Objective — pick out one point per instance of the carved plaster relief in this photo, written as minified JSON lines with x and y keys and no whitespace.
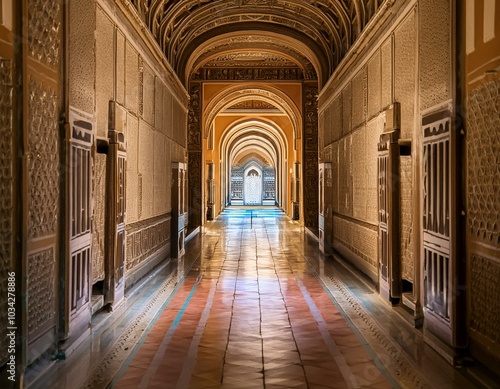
{"x":43,"y":30}
{"x":160,"y":164}
{"x":43,"y":163}
{"x":359,"y":96}
{"x":347,"y":109}
{"x":434,"y":52}
{"x":146,"y":168}
{"x":82,"y":58}
{"x":483,"y":148}
{"x":406,"y":217}
{"x":337,"y":118}
{"x":360,"y":240}
{"x":239,"y":74}
{"x":195,"y":167}
{"x":404,"y":73}
{"x":133,"y":187}
{"x":41,"y":276}
{"x":104,"y":72}
{"x":132,"y":71}
{"x":145,"y":238}
{"x":148,"y":85}
{"x":485,"y":293}
{"x":359,"y":177}
{"x":387,"y":97}
{"x":332,"y":25}
{"x":374,"y":85}
{"x":311,"y":118}
{"x":483,"y":213}
{"x":194,"y":118}
{"x":158,"y":106}
{"x":250,"y":59}
{"x":252,"y":104}
{"x":260,"y":43}
{"x":310,"y":181}
{"x":99,"y":203}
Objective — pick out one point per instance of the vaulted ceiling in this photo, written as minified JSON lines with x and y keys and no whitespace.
{"x":312,"y":34}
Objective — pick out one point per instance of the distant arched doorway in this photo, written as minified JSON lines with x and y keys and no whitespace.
{"x":252,"y":186}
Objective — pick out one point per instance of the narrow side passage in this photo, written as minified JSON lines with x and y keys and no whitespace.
{"x":254,"y":316}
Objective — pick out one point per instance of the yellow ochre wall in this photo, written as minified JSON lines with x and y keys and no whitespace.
{"x":223,"y":122}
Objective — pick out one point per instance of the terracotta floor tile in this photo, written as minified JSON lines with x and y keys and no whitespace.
{"x":131,"y":378}
{"x":259,"y":329}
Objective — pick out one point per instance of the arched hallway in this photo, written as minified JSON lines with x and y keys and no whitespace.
{"x":260,"y":307}
{"x":130,"y":128}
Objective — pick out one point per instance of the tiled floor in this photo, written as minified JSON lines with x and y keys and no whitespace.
{"x":253,"y":317}
{"x":259,"y":307}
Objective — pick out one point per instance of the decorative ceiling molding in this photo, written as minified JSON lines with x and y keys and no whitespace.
{"x":250,"y":41}
{"x":296,"y":51}
{"x":327,"y":27}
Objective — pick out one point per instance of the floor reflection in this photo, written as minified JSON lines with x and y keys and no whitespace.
{"x":252,"y":304}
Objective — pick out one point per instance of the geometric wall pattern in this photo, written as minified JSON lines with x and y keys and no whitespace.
{"x":406,"y":218}
{"x":484,"y":163}
{"x":485,"y":294}
{"x":483,"y":154}
{"x":43,"y":30}
{"x":145,"y":238}
{"x":98,"y":195}
{"x":41,"y":277}
{"x":43,"y":163}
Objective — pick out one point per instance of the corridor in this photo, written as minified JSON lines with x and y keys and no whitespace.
{"x":259,"y":307}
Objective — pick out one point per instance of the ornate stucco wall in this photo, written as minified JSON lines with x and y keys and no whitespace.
{"x":352,"y":106}
{"x":128,"y":72}
{"x":481,"y":101}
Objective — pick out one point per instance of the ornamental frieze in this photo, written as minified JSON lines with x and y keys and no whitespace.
{"x":239,"y":74}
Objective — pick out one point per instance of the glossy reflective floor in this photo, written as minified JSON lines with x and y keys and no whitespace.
{"x":253,"y":304}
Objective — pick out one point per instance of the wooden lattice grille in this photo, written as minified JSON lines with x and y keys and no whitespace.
{"x":436,"y":217}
